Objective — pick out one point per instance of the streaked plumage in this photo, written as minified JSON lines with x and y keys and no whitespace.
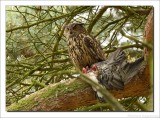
{"x":83,"y":49}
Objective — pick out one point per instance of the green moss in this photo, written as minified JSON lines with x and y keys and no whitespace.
{"x":50,"y":91}
{"x":23,"y":104}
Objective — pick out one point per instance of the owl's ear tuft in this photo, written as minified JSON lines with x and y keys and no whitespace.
{"x":74,"y":25}
{"x":81,"y":24}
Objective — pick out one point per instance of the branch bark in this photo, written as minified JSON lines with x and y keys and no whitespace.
{"x":75,"y":93}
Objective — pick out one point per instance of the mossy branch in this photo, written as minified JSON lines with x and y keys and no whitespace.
{"x":71,"y":94}
{"x":106,"y":94}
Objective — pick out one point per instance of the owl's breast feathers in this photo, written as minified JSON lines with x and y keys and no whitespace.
{"x":85,"y":51}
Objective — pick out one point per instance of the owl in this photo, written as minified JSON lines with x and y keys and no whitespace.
{"x":83,"y":49}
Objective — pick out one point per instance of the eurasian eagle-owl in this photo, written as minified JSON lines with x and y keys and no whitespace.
{"x":83,"y":49}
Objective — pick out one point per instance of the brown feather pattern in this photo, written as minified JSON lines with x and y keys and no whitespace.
{"x":83,"y":49}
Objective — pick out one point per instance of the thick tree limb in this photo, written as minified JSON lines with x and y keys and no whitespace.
{"x":63,"y":96}
{"x":74,"y":93}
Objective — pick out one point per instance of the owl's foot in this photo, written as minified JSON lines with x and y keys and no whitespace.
{"x":94,"y":68}
{"x":87,"y":69}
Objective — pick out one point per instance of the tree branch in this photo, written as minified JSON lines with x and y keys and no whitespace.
{"x":74,"y":93}
{"x":125,"y":47}
{"x":110,"y":23}
{"x":136,"y":40}
{"x":97,"y":17}
{"x":50,"y":19}
{"x":140,"y":11}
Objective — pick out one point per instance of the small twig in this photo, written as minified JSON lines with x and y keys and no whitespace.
{"x":95,"y":107}
{"x":35,"y":82}
{"x":135,"y":39}
{"x":97,"y":17}
{"x":139,"y":11}
{"x":25,"y":75}
{"x":50,"y":19}
{"x":125,"y":47}
{"x":110,"y":23}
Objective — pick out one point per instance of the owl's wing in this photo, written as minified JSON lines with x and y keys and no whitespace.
{"x":94,"y":48}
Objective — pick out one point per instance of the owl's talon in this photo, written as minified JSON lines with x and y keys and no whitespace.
{"x":84,"y":70}
{"x":94,"y":68}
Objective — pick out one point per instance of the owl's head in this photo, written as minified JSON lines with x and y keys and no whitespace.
{"x":74,"y":29}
